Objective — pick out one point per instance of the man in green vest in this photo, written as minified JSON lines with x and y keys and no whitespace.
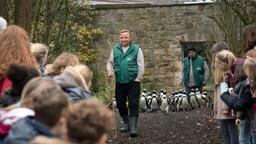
{"x":194,"y":71}
{"x":126,"y":62}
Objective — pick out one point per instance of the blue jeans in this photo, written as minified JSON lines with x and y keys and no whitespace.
{"x":229,"y":131}
{"x":245,"y":131}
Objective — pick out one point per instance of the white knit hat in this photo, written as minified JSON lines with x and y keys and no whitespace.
{"x":3,"y":23}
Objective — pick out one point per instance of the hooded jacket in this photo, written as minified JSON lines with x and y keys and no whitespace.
{"x":71,"y":86}
{"x":25,"y":130}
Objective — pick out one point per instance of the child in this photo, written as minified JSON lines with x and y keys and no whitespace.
{"x":40,"y":51}
{"x":88,"y":122}
{"x":19,"y":74}
{"x":61,"y":62}
{"x":76,"y":81}
{"x":224,"y":61}
{"x":239,"y":100}
{"x":49,"y":102}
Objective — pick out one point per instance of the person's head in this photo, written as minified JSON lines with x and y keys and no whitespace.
{"x":239,"y":72}
{"x":251,"y":53}
{"x":249,"y":37}
{"x":223,"y":63}
{"x":86,"y":74}
{"x":250,"y":68}
{"x":47,"y":100}
{"x":88,"y":122}
{"x":14,"y":48}
{"x":19,"y":75}
{"x":219,"y":46}
{"x":61,"y":62}
{"x":76,"y":76}
{"x":125,"y":38}
{"x":3,"y":23}
{"x":47,"y":140}
{"x":40,"y":52}
{"x":191,"y":52}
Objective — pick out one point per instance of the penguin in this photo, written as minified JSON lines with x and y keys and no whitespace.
{"x":114,"y":102}
{"x":185,"y":104}
{"x":179,"y":101}
{"x":143,"y":102}
{"x":171,"y":101}
{"x":161,"y":93}
{"x":208,"y":99}
{"x":149,"y":100}
{"x":164,"y":107}
{"x":199,"y":98}
{"x":193,"y":100}
{"x":154,"y":104}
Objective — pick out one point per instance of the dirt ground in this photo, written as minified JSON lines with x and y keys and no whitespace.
{"x":189,"y":127}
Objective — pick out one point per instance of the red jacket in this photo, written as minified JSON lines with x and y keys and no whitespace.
{"x":5,"y":84}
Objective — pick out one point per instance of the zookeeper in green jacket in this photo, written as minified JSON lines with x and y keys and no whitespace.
{"x":126,"y":62}
{"x":194,"y":71}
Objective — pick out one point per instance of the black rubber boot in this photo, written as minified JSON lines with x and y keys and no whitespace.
{"x":126,"y":126}
{"x":133,"y":127}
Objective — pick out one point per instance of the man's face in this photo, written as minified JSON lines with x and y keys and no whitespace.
{"x":125,"y":39}
{"x":191,"y":54}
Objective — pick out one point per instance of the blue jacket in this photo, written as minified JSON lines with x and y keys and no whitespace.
{"x":25,"y":130}
{"x":77,"y":93}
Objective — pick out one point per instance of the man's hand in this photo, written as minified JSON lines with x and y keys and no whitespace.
{"x":110,"y":74}
{"x":203,"y":83}
{"x":180,"y":83}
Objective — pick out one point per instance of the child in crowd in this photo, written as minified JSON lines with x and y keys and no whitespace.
{"x":89,"y":122}
{"x":61,"y":62}
{"x":224,"y":61}
{"x":75,"y":81}
{"x":14,"y":48}
{"x":49,"y":103}
{"x":19,"y":74}
{"x":249,"y":38}
{"x":40,"y":51}
{"x":240,"y":101}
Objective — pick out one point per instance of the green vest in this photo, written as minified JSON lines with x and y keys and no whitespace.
{"x":125,"y":64}
{"x":198,"y":70}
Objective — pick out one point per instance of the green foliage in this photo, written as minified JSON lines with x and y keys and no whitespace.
{"x":232,"y":16}
{"x":103,"y":87}
{"x":65,"y":25}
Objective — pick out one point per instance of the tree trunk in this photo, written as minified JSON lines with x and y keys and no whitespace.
{"x":23,"y":15}
{"x":3,"y":9}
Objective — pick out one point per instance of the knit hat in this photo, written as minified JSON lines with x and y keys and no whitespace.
{"x":3,"y":23}
{"x":20,"y":74}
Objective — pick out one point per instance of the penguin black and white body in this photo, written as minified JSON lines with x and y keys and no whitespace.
{"x":208,"y":99}
{"x":172,"y":101}
{"x":143,"y":102}
{"x":193,"y":100}
{"x":164,"y":107}
{"x":199,"y":98}
{"x":184,"y":102}
{"x":179,"y":101}
{"x":154,"y":102}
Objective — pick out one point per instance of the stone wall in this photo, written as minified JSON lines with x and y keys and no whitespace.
{"x":159,"y":31}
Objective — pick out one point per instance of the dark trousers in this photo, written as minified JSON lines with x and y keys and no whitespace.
{"x":130,"y":91}
{"x":229,"y":131}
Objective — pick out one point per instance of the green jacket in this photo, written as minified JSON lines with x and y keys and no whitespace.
{"x":198,"y":70}
{"x":125,"y":64}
